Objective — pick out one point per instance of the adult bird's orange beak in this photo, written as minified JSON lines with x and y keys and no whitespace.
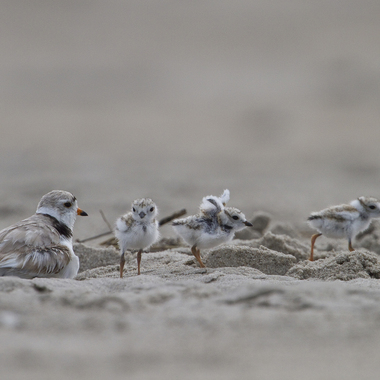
{"x":81,"y":212}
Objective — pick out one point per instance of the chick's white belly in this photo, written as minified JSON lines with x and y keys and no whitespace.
{"x":212,"y":241}
{"x":339,"y":229}
{"x":331,"y":228}
{"x":137,"y":238}
{"x":200,"y":238}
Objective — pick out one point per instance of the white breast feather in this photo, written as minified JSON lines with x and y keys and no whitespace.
{"x":135,"y":237}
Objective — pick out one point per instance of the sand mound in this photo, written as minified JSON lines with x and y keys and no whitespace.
{"x":280,"y":243}
{"x":342,"y":266}
{"x":90,"y":257}
{"x":163,"y":263}
{"x":271,"y":255}
{"x":262,"y":258}
{"x":260,"y":222}
{"x":370,"y":239}
{"x":280,"y":228}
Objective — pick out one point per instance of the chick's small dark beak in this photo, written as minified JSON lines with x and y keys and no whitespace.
{"x":142,"y":214}
{"x":81,"y":212}
{"x":248,"y":224}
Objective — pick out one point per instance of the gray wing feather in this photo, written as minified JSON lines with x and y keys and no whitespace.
{"x":31,"y":248}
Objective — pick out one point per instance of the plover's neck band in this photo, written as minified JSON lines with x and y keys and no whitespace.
{"x":61,"y":228}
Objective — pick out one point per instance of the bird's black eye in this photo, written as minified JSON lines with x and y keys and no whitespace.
{"x":151,"y":209}
{"x":235,"y":217}
{"x":67,"y":204}
{"x":133,"y":209}
{"x":372,"y":207}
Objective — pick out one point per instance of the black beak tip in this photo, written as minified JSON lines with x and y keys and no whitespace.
{"x":83,"y":213}
{"x":248,"y":224}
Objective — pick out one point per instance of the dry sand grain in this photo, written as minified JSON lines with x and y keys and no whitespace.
{"x":176,"y":320}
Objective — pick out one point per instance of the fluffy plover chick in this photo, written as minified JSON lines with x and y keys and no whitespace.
{"x":41,"y":245}
{"x":344,"y":221}
{"x":137,"y":229}
{"x":211,"y":227}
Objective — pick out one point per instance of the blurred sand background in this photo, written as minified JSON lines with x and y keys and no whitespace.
{"x":114,"y":100}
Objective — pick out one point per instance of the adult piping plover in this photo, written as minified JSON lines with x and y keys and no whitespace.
{"x":137,"y":229}
{"x":41,"y":245}
{"x":215,"y":224}
{"x":344,"y":221}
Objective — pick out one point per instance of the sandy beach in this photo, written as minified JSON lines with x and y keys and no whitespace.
{"x":113,"y":101}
